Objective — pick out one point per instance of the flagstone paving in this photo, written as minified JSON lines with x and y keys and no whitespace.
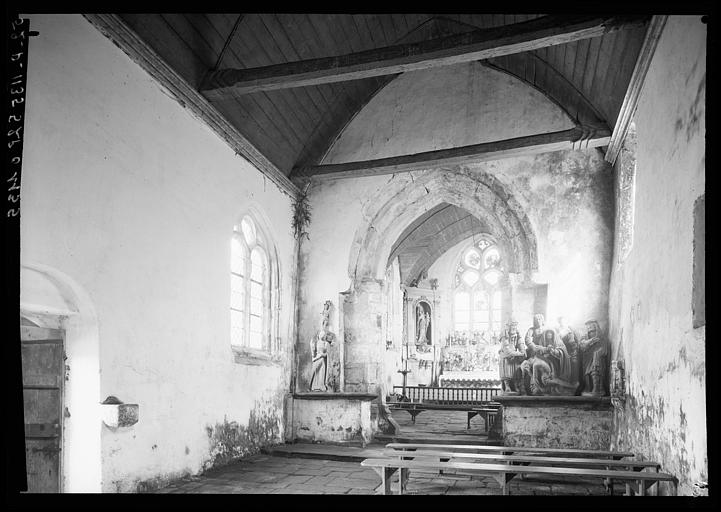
{"x":264,"y":474}
{"x":332,"y":469}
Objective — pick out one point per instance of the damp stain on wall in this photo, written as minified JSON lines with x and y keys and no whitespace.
{"x":231,"y":440}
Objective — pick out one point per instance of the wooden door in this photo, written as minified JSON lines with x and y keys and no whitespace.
{"x":43,"y":363}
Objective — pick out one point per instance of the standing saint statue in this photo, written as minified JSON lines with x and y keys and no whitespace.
{"x":595,"y":350}
{"x":319,"y":345}
{"x":512,"y":354}
{"x":422,"y":321}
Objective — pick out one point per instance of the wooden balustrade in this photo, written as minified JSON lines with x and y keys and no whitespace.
{"x":451,"y":396}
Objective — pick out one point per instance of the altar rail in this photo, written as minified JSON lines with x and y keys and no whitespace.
{"x":450,"y":396}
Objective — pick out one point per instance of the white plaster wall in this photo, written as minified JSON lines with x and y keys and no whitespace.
{"x":127,"y":193}
{"x":651,"y":291}
{"x":446,"y":107}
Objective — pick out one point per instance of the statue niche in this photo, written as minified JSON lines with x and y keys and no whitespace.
{"x":319,"y":346}
{"x":423,"y":334}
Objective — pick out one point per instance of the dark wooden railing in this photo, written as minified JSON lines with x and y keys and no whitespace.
{"x":450,"y":396}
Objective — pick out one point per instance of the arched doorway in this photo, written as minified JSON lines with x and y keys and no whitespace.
{"x":53,"y":302}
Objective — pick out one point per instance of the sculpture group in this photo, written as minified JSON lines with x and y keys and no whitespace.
{"x":554,"y":360}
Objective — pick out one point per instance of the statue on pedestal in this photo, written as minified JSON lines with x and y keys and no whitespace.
{"x":319,"y":346}
{"x":512,"y":354}
{"x":595,"y":350}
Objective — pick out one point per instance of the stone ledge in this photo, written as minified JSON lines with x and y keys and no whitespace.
{"x":321,"y":395}
{"x":255,"y":357}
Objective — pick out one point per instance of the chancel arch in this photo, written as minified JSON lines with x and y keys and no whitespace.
{"x":479,"y":193}
{"x":400,"y":205}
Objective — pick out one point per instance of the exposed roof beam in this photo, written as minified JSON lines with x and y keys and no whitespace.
{"x":575,"y":138}
{"x":475,"y":45}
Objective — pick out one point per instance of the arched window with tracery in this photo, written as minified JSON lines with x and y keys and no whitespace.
{"x":250,"y":287}
{"x":480,"y":282}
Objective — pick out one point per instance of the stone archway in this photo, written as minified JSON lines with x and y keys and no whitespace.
{"x":406,"y":198}
{"x":479,"y":193}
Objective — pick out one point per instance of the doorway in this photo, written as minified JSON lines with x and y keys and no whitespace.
{"x":43,"y":372}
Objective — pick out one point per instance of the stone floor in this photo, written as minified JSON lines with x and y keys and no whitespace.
{"x":266,"y":474}
{"x":331,"y":469}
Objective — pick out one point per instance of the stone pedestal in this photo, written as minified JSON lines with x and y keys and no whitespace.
{"x":557,"y":421}
{"x":332,"y":417}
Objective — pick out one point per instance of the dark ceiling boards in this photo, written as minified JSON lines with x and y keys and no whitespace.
{"x":294,"y":127}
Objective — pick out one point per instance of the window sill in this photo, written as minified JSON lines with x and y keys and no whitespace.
{"x":254,"y":357}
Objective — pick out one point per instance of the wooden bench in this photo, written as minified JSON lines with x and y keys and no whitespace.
{"x":526,"y":459}
{"x":443,"y":456}
{"x":475,"y":401}
{"x":487,"y":411}
{"x":510,"y":450}
{"x":504,"y":473}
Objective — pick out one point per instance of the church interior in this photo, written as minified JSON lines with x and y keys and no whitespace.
{"x":244,"y":234}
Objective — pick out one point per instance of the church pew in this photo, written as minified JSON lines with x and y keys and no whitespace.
{"x":504,"y":473}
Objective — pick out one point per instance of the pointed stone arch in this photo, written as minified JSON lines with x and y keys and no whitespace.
{"x":399,"y":204}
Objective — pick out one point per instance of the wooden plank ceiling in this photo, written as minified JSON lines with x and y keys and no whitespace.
{"x":431,"y":235}
{"x":294,"y":127}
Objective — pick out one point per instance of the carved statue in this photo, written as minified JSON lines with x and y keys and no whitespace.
{"x":549,"y":366}
{"x":535,"y":333}
{"x":512,"y":354}
{"x":423,"y":320}
{"x":594,"y":352}
{"x":570,"y":339}
{"x":319,"y":350}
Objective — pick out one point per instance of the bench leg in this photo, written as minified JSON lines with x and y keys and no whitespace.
{"x":641,"y":488}
{"x":413,"y":415}
{"x":387,"y":474}
{"x":402,"y":479}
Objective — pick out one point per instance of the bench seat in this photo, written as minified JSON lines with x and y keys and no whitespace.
{"x":504,"y":473}
{"x":443,"y":456}
{"x":510,"y":450}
